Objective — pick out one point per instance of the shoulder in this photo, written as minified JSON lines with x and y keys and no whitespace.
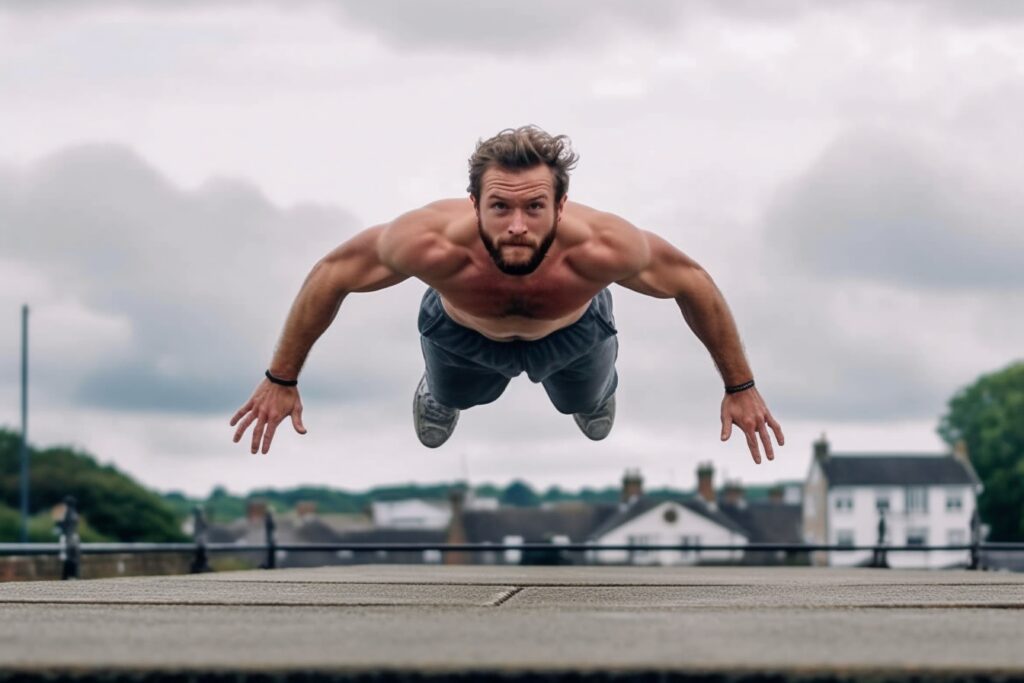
{"x":425,"y":241}
{"x":606,"y":246}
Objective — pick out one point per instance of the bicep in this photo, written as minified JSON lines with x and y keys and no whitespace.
{"x":357,"y":266}
{"x":667,"y":272}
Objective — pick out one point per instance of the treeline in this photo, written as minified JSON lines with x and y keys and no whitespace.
{"x":113,"y":506}
{"x":223,"y":506}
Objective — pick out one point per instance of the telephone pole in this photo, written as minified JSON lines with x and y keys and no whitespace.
{"x":24,"y":423}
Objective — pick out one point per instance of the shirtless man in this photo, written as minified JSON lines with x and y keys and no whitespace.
{"x":517,"y":279}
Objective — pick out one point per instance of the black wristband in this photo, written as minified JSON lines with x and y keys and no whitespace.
{"x":740,"y":387}
{"x":282,"y":382}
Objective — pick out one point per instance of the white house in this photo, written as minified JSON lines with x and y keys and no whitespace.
{"x":925,"y":500}
{"x":412,"y":513}
{"x":643,"y":520}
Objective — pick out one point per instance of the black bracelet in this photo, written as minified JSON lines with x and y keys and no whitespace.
{"x":282,"y":382}
{"x":740,"y":387}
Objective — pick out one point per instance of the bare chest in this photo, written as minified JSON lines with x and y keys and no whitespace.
{"x":548,"y":296}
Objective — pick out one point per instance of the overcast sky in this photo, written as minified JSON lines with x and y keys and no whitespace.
{"x":169,"y":171}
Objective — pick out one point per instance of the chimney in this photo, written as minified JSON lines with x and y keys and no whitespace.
{"x":255,"y":510}
{"x":305,"y":509}
{"x":456,"y":533}
{"x":776,"y":494}
{"x":732,"y":494}
{"x":632,"y":486}
{"x":821,"y":449}
{"x":705,"y":487}
{"x":960,"y":451}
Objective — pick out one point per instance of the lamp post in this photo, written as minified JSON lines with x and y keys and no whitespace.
{"x":24,"y":423}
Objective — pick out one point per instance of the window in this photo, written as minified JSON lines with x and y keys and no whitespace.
{"x":917,"y":499}
{"x":917,"y":536}
{"x":844,"y":537}
{"x":640,"y":539}
{"x":954,"y":501}
{"x":843,"y":501}
{"x":956,"y":537}
{"x":513,"y":556}
{"x":882,"y":503}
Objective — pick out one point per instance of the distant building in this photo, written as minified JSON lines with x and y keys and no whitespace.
{"x":772,"y":520}
{"x":555,"y":525}
{"x":412,"y":513}
{"x":643,"y":520}
{"x":926,"y":499}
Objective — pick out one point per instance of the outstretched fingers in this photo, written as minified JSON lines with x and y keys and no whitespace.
{"x":297,"y":420}
{"x":257,"y":434}
{"x":766,"y":441}
{"x":241,"y":411}
{"x":777,"y":428}
{"x":243,"y":426}
{"x":269,"y":436}
{"x":755,"y":452}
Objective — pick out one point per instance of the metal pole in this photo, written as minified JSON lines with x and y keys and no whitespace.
{"x":24,"y":423}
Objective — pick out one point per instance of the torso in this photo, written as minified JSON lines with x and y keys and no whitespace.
{"x":504,"y":307}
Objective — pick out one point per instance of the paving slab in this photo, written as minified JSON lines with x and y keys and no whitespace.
{"x":530,"y":623}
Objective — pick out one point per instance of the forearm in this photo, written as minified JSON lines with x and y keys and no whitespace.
{"x":706,"y":312}
{"x":311,"y":314}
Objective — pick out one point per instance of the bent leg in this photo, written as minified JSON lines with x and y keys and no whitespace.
{"x":585,"y":384}
{"x":458,"y":382}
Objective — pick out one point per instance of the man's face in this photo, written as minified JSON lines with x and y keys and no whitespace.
{"x":517,"y":216}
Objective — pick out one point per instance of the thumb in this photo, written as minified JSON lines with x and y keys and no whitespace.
{"x":726,"y":428}
{"x":297,"y":420}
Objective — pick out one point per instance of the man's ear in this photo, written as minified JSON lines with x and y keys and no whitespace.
{"x":561,"y":205}
{"x":472,"y":198}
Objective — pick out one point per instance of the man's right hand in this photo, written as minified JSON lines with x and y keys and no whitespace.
{"x":270,"y":404}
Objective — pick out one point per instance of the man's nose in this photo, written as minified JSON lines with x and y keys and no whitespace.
{"x":518,"y":224}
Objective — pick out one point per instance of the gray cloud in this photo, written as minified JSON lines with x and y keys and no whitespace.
{"x":879,"y":206}
{"x":203,"y":276}
{"x":506,"y":27}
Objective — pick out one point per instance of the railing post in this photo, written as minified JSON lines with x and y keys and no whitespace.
{"x":879,"y":559}
{"x":268,"y":525}
{"x":975,"y":541}
{"x":70,"y":547}
{"x":200,"y":562}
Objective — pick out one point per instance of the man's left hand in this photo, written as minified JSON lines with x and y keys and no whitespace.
{"x":748,"y":411}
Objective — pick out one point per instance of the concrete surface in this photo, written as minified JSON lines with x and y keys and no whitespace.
{"x":591,"y":623}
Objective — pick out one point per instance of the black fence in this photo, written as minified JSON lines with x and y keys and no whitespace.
{"x":69,"y":550}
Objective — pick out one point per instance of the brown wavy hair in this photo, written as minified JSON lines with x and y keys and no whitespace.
{"x":522,"y":148}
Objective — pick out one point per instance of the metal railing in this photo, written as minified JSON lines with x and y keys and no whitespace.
{"x":69,"y":549}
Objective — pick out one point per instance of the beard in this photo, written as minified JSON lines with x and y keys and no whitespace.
{"x":518,"y":268}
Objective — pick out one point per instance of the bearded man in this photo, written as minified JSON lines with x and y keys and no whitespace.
{"x":517,"y":282}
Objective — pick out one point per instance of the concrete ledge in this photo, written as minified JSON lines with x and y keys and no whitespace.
{"x":413,"y":623}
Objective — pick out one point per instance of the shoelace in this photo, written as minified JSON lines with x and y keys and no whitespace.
{"x":435,"y":412}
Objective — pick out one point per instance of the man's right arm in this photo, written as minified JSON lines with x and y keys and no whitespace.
{"x":376,"y":258}
{"x":355,"y":266}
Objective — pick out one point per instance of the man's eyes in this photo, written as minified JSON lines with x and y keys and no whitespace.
{"x":533,"y":206}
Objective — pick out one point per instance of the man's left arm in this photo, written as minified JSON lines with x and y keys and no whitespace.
{"x":664,"y":272}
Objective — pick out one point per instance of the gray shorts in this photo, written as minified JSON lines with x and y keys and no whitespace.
{"x":576,"y":364}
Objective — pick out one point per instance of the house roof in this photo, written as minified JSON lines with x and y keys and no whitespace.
{"x":897,"y":470}
{"x":647,"y":503}
{"x":535,"y":525}
{"x":767,"y":522}
{"x":391,"y":535}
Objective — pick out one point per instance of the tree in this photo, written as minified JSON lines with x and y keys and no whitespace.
{"x":519,"y":494}
{"x":989,"y":417}
{"x":115,"y":505}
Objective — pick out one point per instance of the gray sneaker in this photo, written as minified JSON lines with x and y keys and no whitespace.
{"x":434,"y":422}
{"x":598,"y":424}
